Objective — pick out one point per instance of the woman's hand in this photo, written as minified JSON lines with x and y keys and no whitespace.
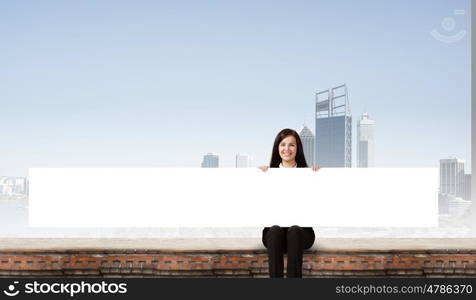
{"x":263,"y":168}
{"x":315,"y":168}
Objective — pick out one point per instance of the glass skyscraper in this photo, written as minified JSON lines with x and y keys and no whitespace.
{"x":210,"y":160}
{"x":452,"y":177}
{"x":243,"y":161}
{"x":365,"y":142}
{"x":308,"y":141}
{"x":333,"y":129}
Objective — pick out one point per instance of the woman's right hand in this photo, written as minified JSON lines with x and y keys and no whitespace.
{"x":263,"y":168}
{"x":316,"y":168}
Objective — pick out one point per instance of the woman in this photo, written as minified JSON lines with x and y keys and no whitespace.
{"x":287,"y":153}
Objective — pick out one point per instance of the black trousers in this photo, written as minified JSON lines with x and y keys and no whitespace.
{"x":293,"y":240}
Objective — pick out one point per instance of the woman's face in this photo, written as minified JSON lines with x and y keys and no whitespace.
{"x":288,"y":149}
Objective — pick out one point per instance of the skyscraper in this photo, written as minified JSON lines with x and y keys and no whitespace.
{"x":243,"y":161}
{"x":365,"y":142}
{"x":333,"y":128}
{"x":467,"y":187}
{"x":308,"y":141}
{"x":452,"y":179}
{"x":210,"y":160}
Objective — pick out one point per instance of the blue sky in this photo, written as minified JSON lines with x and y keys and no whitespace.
{"x":159,"y":84}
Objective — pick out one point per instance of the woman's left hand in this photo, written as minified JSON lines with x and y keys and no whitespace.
{"x":315,"y":168}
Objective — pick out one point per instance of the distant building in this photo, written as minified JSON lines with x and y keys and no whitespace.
{"x":365,"y":142}
{"x":21,"y":186}
{"x":308,"y":141}
{"x":13,"y":186}
{"x":452,"y":179}
{"x":443,"y":204}
{"x":243,"y":161}
{"x":210,"y":160}
{"x":458,"y":207}
{"x":467,"y":187}
{"x":333,"y":129}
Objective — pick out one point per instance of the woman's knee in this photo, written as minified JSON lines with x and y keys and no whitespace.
{"x":294,"y":234}
{"x":275,"y":235}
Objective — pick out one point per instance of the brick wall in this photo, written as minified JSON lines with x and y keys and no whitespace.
{"x":242,"y":263}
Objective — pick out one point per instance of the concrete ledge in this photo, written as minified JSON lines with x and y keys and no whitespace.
{"x":233,"y":258}
{"x":214,"y":244}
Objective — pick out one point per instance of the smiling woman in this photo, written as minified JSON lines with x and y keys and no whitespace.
{"x":287,"y":153}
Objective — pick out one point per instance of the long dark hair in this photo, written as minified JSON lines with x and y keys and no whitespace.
{"x":276,"y":158}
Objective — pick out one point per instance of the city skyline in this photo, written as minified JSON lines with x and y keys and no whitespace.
{"x":153,"y":84}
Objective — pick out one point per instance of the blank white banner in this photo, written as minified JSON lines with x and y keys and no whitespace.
{"x":193,"y":197}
